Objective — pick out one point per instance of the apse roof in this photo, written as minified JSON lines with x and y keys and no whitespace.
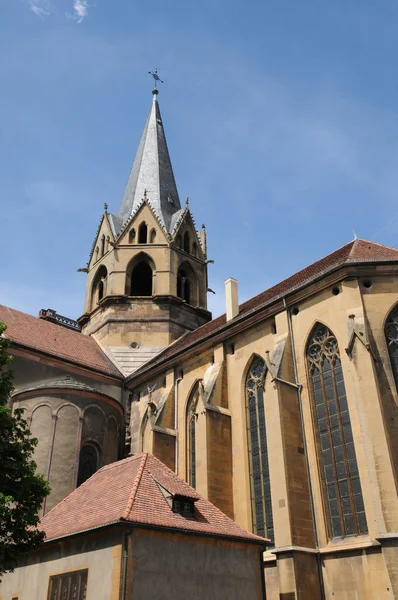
{"x":50,"y":338}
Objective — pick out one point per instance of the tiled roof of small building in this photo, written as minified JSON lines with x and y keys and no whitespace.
{"x":44,"y":336}
{"x":356,"y":252}
{"x":129,"y":490}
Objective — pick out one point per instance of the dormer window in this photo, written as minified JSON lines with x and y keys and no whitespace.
{"x":179,"y":504}
{"x":183,"y":506}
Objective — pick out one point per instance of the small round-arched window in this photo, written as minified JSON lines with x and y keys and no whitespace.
{"x":89,"y":462}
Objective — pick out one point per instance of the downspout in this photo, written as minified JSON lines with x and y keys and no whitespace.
{"x":125,"y":563}
{"x":262,"y":574}
{"x":307,"y":466}
{"x":177,"y":381}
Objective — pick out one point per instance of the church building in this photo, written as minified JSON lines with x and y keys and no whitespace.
{"x":283,"y":412}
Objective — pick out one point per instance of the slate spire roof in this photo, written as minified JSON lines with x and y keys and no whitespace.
{"x":134,"y":490}
{"x":152,"y":171}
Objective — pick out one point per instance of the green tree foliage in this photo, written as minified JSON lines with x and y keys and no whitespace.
{"x":22,"y":490}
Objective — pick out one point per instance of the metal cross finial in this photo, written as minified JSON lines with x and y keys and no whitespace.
{"x":155,"y":76}
{"x":105,"y":206}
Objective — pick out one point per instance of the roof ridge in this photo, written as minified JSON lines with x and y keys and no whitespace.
{"x":119,"y":462}
{"x":39,"y":320}
{"x":135,"y":487}
{"x":375,"y":243}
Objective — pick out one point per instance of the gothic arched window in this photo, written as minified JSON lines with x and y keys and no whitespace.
{"x":152,"y":237}
{"x":263,"y":523}
{"x":131,"y":236}
{"x":186,"y":289}
{"x":102,"y":245}
{"x":341,"y":485}
{"x":391,"y":333}
{"x":143,"y":233}
{"x":88,"y":462}
{"x":187,"y":242}
{"x":99,"y":286}
{"x":141,"y":280}
{"x":191,"y":436}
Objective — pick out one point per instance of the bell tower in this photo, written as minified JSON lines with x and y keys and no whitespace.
{"x":147,"y":271}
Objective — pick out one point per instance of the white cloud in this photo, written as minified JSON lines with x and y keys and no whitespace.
{"x":41,"y":8}
{"x":80,"y":10}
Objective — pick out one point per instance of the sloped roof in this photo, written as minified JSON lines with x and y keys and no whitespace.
{"x":63,"y":383}
{"x":358,"y":251}
{"x":47,"y":337}
{"x":152,"y":171}
{"x":128,"y":491}
{"x":130,"y":359}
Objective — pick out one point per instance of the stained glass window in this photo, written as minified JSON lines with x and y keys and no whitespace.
{"x":335,"y":444}
{"x":263,"y":523}
{"x":68,"y":586}
{"x":391,"y":332}
{"x":191,"y":437}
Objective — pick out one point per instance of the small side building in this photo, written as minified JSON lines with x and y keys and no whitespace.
{"x":134,"y":531}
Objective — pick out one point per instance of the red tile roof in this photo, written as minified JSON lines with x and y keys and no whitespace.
{"x":128,"y":490}
{"x":356,"y":252}
{"x":47,"y":337}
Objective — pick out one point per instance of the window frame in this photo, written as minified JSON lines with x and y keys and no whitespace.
{"x":82,"y":579}
{"x":389,"y":341}
{"x":191,"y":427}
{"x":342,"y":429}
{"x":268,"y":529}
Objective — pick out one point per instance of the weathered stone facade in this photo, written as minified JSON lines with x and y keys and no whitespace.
{"x":305,"y":558}
{"x":179,"y":389}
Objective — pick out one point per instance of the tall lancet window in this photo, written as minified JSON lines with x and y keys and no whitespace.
{"x":191,"y":436}
{"x":337,"y":461}
{"x":391,"y":331}
{"x":263,"y":523}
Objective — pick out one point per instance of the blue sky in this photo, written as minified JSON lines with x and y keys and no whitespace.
{"x":281,"y":118}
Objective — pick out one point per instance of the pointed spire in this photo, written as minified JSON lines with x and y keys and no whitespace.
{"x":152,"y":171}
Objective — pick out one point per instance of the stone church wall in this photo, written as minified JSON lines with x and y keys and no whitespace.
{"x":372,"y":401}
{"x":64,"y":411}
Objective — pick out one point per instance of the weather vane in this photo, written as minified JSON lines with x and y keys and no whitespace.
{"x":156,"y":77}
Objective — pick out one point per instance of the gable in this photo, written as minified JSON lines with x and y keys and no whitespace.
{"x":186,"y":236}
{"x":102,"y":243}
{"x":144,"y":214}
